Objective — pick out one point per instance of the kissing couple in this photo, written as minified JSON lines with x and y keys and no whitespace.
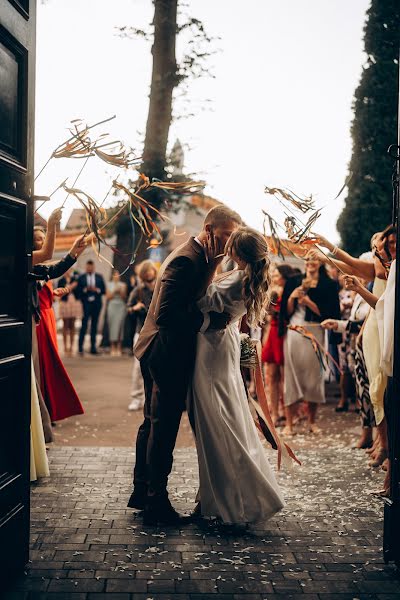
{"x":189,"y":351}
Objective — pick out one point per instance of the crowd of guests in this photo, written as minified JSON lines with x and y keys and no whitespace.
{"x":125,"y":310}
{"x":342,"y":302}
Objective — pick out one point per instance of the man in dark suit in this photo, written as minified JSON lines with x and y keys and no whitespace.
{"x":166,"y":350}
{"x":89,"y":290}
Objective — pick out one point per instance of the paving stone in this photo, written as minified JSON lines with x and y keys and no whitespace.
{"x":76,"y":585}
{"x":163,"y":586}
{"x":124,"y":585}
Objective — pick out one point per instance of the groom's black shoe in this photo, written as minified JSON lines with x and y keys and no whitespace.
{"x":159,"y":510}
{"x":138,"y":497}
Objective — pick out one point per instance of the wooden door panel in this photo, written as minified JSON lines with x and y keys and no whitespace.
{"x":22,"y":6}
{"x":12,"y":453}
{"x":14,"y":450}
{"x":13,"y":305}
{"x":13,"y":99}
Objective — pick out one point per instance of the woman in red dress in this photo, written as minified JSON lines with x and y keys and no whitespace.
{"x":58,"y":392}
{"x":272,"y":352}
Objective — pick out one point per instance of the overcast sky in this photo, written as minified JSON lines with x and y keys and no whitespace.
{"x":281,"y":99}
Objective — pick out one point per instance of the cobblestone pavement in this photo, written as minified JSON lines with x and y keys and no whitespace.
{"x":86,"y":545}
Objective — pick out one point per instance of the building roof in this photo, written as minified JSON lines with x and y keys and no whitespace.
{"x":65,"y":238}
{"x":76,"y":220}
{"x":39,"y":221}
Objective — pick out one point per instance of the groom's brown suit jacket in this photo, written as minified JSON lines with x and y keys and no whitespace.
{"x":168,"y":338}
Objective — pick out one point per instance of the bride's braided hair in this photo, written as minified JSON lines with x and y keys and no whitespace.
{"x":251,"y":247}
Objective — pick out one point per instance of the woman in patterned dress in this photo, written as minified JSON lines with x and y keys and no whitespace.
{"x":70,"y":309}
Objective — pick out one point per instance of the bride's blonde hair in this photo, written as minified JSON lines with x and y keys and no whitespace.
{"x":251,"y":247}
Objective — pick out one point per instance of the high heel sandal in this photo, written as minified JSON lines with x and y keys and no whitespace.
{"x":381,"y":456}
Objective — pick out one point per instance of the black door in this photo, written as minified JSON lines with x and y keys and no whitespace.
{"x":17,"y":76}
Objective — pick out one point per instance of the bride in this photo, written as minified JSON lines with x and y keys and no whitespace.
{"x":237,"y":483}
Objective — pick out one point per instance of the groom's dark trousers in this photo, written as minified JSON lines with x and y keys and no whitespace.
{"x":166,"y":350}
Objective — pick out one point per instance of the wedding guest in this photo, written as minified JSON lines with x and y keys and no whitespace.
{"x":43,"y":248}
{"x":116,"y":293}
{"x":58,"y":392}
{"x":39,"y":464}
{"x":133,"y":281}
{"x":272,"y":351}
{"x":334,"y":339}
{"x":138,"y":304}
{"x":351,"y":361}
{"x":90,"y":289}
{"x":40,"y":426}
{"x":346,"y":378}
{"x":70,"y":309}
{"x":130,"y":319}
{"x":385,"y":252}
{"x":306,"y":301}
{"x":375,"y":271}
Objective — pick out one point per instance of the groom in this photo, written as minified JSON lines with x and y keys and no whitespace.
{"x":166,"y":350}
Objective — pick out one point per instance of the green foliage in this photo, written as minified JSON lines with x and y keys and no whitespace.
{"x":369,"y":200}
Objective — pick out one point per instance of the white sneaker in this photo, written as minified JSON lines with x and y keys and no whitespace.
{"x":135,"y":405}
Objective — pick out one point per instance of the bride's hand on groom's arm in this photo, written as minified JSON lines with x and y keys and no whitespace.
{"x":219,"y":321}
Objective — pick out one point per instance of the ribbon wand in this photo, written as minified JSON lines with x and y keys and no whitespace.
{"x":76,"y":179}
{"x":102,"y":202}
{"x":52,"y":194}
{"x":74,"y":136}
{"x":306,"y":226}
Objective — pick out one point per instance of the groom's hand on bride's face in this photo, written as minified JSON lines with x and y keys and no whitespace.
{"x":219,"y":321}
{"x":213,"y":247}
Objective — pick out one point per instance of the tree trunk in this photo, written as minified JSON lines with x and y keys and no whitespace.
{"x":164,"y":80}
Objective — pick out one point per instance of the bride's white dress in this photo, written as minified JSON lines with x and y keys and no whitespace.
{"x":237,"y":483}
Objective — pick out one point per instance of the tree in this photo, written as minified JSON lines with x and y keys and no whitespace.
{"x":368,"y":203}
{"x":163,"y":81}
{"x":167,"y":75}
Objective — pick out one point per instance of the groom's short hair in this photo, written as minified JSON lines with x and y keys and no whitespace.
{"x":221,"y":215}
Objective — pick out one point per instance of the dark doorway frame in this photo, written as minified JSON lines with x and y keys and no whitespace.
{"x":391,"y":537}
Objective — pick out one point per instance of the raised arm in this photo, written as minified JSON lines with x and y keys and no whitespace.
{"x":46,"y":252}
{"x":347,"y":263}
{"x":59,"y":268}
{"x":352,"y":283}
